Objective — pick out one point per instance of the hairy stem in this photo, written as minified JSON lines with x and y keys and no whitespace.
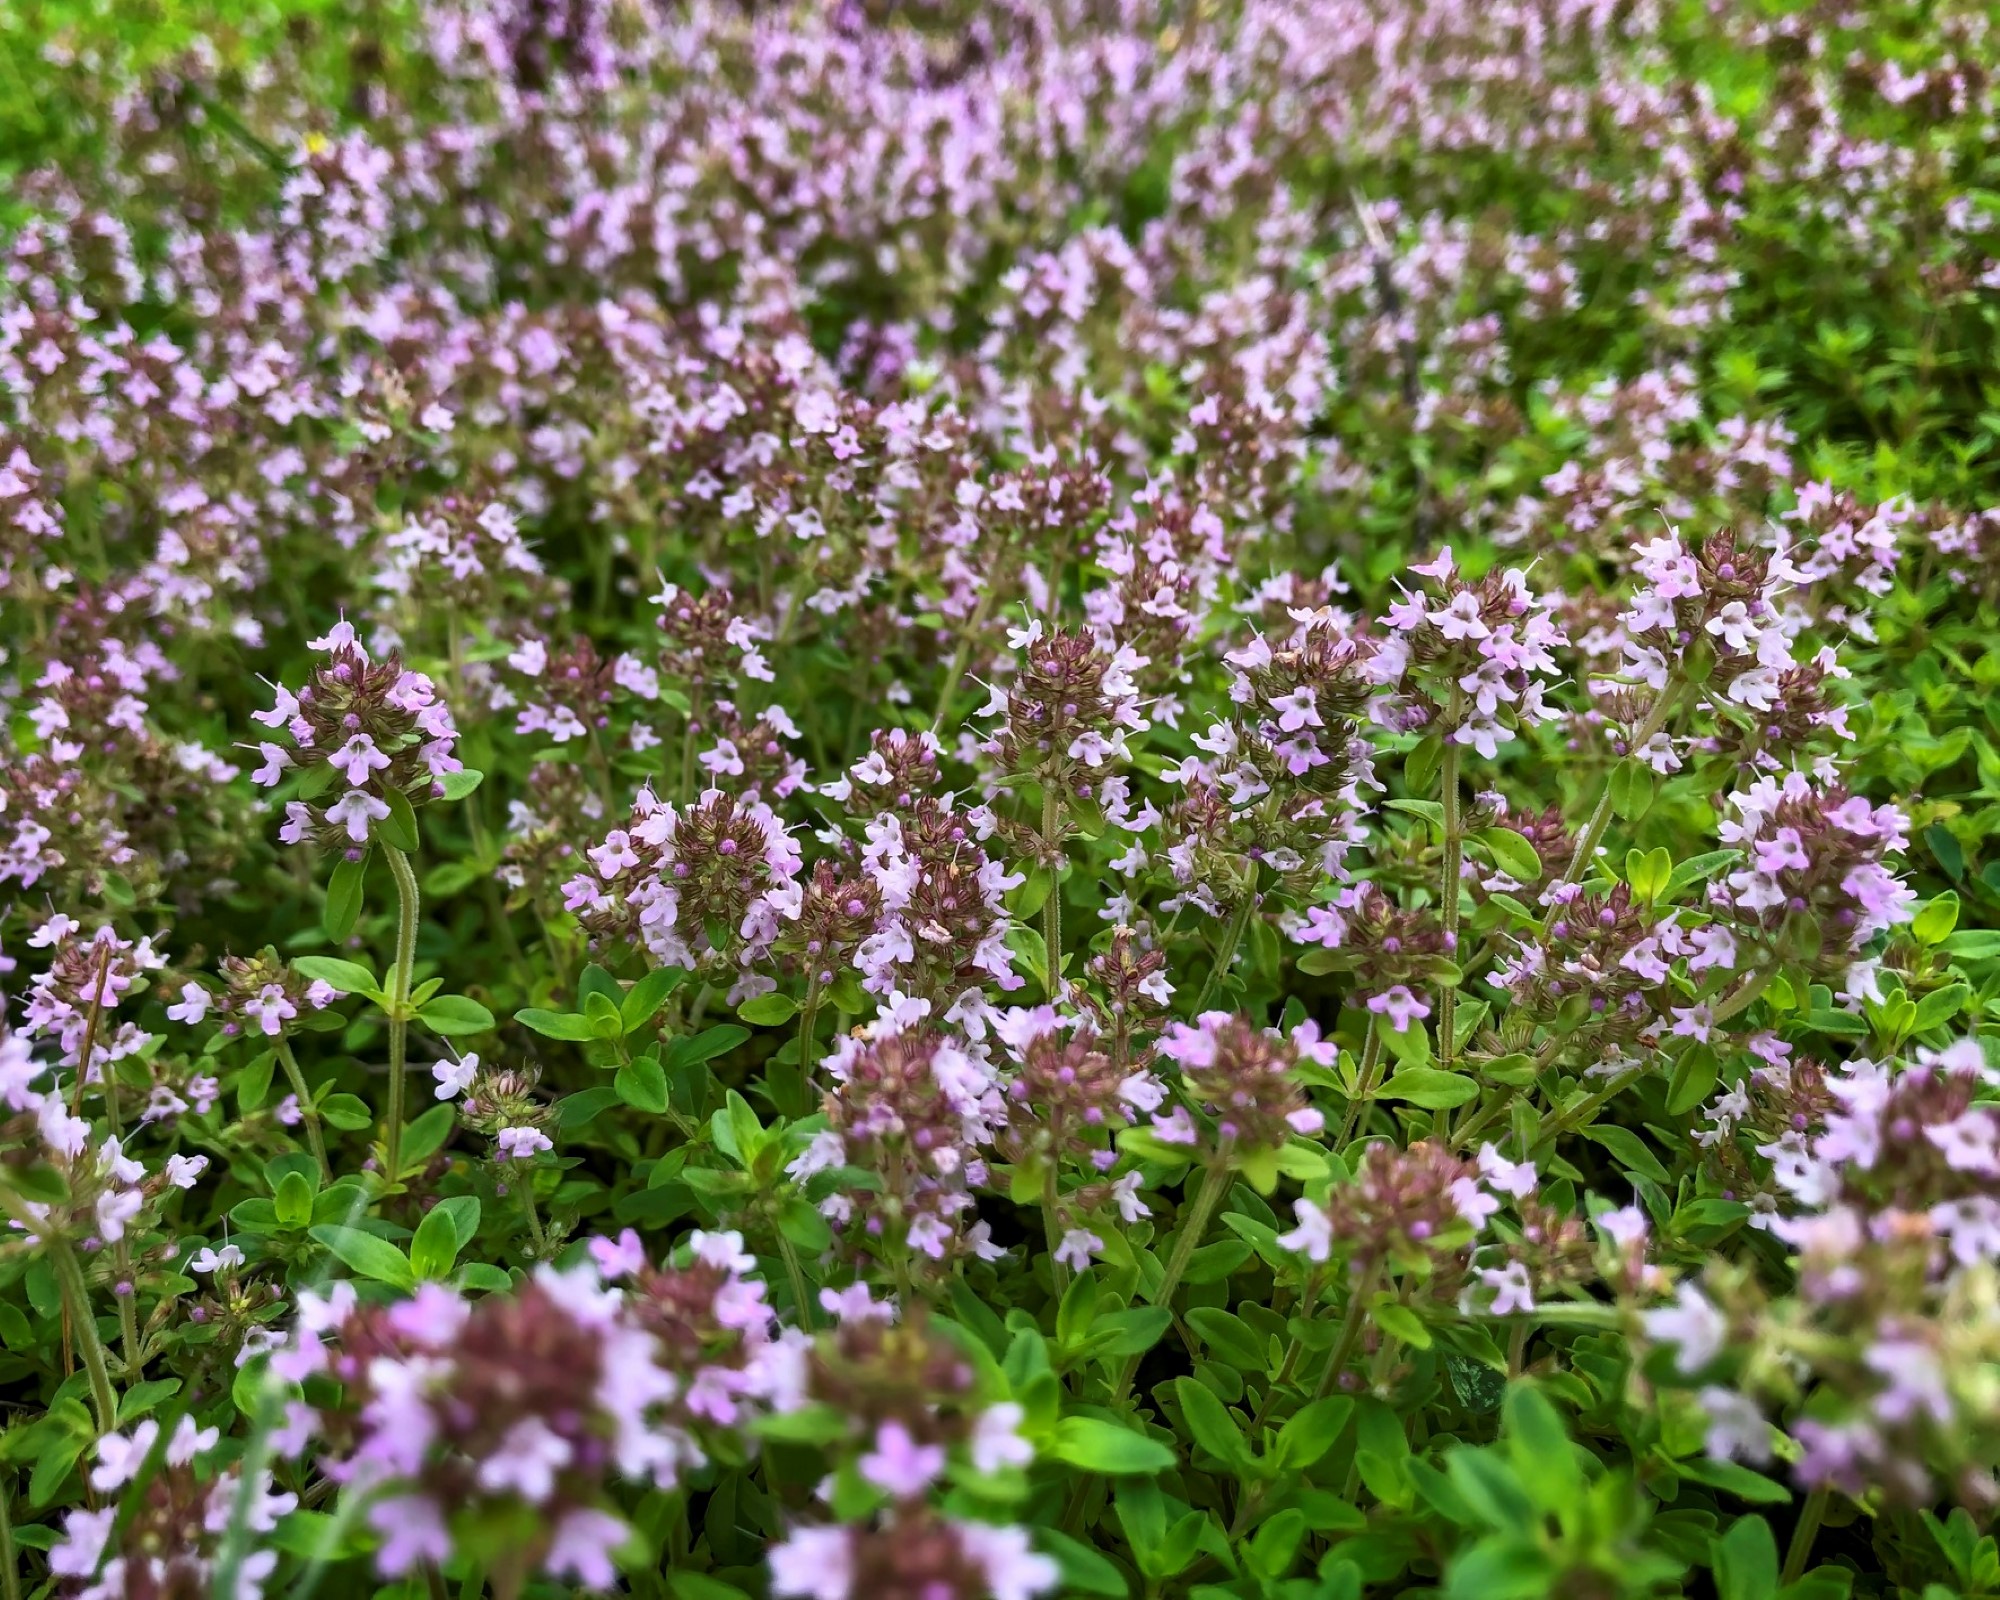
{"x":1052,"y":1228}
{"x":83,"y":1324}
{"x":1214,"y":1182}
{"x":1350,"y":1330}
{"x":1799,"y":1552}
{"x":1600,"y":819}
{"x":1052,"y":821}
{"x":962,"y":657}
{"x":1448,"y":889}
{"x":308,"y":1112}
{"x":399,"y":1007}
{"x":1225,"y":953}
{"x":1364,"y":1085}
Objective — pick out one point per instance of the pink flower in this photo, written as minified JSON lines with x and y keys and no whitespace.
{"x":996,"y":1439}
{"x":620,"y":1257}
{"x":270,"y":1009}
{"x":899,"y":1465}
{"x":455,"y":1077}
{"x":192,"y":1006}
{"x":356,"y":759}
{"x":520,"y":1144}
{"x":1077,"y":1247}
{"x":1399,"y":1006}
{"x":582,"y":1548}
{"x":813,"y":1564}
{"x":355,"y":811}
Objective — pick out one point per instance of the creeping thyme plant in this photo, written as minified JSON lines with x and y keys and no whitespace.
{"x":1075,"y":797}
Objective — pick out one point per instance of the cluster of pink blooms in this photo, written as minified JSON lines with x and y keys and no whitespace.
{"x":173,"y":1541}
{"x":451,"y":1411}
{"x":933,"y":528}
{"x":1883,"y":1179}
{"x":361,"y":730}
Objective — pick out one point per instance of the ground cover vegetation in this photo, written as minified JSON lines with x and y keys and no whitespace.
{"x":916,"y":801}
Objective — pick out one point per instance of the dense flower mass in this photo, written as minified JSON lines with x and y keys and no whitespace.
{"x":970,"y":802}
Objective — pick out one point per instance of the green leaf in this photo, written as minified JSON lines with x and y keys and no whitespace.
{"x":1693,"y":1080}
{"x":643,"y":1000}
{"x":1105,"y":1447}
{"x":1084,"y":1571}
{"x":347,"y":1112}
{"x":1400,"y":1322}
{"x":1746,"y":1561}
{"x":399,"y":827}
{"x":555,"y":1024}
{"x":1649,"y":873}
{"x":1429,"y":811}
{"x":1631,"y":790}
{"x":1209,"y":1421}
{"x":457,"y":785}
{"x":454,"y":1016}
{"x":1945,"y":849}
{"x":463,"y":1209}
{"x":1512,"y":854}
{"x":435,"y":1246}
{"x":343,"y":899}
{"x":1693,"y":870}
{"x":1934,"y":923}
{"x":1975,"y":944}
{"x":1939,"y":1007}
{"x":349,"y":977}
{"x":293,"y":1201}
{"x":1733,"y":1478}
{"x":642,"y":1085}
{"x":369,"y":1256}
{"x":709,"y":1044}
{"x":1627,"y":1149}
{"x":768,"y":1010}
{"x":1429,"y":1087}
{"x":1313,"y":1430}
{"x":1543,"y":1455}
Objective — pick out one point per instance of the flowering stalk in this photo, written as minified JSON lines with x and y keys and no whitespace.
{"x":1454,"y":845}
{"x":399,"y":1007}
{"x":1225,"y":952}
{"x":1350,"y":1329}
{"x":1215,"y":1181}
{"x":308,"y":1111}
{"x":1364,"y":1082}
{"x":1600,"y":819}
{"x":1799,"y":1551}
{"x":1052,"y":822}
{"x":83,"y":1327}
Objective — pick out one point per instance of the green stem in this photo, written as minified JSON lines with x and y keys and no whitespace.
{"x":1454,"y":863}
{"x":1215,"y":1181}
{"x":1052,"y":1228}
{"x":10,"y":1572}
{"x":531,"y":1212}
{"x":83,"y":1324}
{"x":1052,"y":821}
{"x":1746,"y":993}
{"x":796,"y":1273}
{"x":308,"y":1112}
{"x":962,"y":656}
{"x":1350,"y":1330}
{"x":1600,"y":819}
{"x":1225,"y":954}
{"x":1308,"y":1303}
{"x":128,"y":1310}
{"x":1364,"y":1085}
{"x":407,"y":902}
{"x":1799,"y":1552}
{"x":808,"y":1022}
